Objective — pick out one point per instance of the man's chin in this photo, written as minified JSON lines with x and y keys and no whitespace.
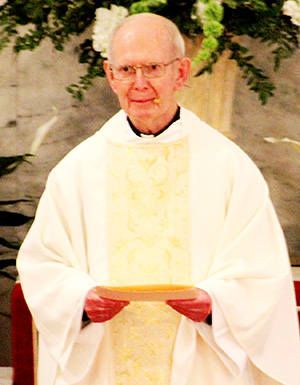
{"x":142,"y":110}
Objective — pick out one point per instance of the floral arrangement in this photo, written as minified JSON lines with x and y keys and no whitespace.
{"x":106,"y":21}
{"x":275,"y":23}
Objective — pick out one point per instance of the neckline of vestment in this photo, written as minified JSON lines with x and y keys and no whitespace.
{"x":119,"y":132}
{"x":147,"y":136}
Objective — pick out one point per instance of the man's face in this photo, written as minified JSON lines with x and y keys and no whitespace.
{"x":149,"y":102}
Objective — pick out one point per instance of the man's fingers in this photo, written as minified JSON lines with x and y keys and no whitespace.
{"x":101,"y":309}
{"x":196,"y":309}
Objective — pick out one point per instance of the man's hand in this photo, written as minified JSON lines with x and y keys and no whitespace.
{"x":197,"y":309}
{"x":101,"y":309}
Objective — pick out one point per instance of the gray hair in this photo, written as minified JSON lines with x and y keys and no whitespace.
{"x":172,"y":30}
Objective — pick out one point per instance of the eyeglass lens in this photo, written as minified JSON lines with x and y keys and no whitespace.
{"x":149,"y":70}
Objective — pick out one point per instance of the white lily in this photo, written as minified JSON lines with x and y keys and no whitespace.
{"x":41,"y":132}
{"x":292,"y":8}
{"x":106,"y":21}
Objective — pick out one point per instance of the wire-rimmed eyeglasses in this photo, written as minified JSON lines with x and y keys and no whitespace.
{"x":149,"y":70}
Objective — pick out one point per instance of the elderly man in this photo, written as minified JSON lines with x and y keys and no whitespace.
{"x":158,"y":197}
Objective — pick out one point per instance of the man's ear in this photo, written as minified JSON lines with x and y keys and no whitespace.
{"x":109,"y":75}
{"x":183,"y":72}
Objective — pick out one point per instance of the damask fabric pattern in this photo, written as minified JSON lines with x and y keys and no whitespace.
{"x":148,"y":243}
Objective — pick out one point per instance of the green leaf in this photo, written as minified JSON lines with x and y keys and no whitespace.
{"x":213,"y":28}
{"x":7,"y":261}
{"x":146,"y":6}
{"x":8,"y":218}
{"x":9,"y":244}
{"x":12,"y":202}
{"x":214,"y":11}
{"x":257,"y":81}
{"x":210,"y":43}
{"x":8,"y":164}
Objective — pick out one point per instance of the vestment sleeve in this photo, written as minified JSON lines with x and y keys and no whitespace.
{"x":249,"y":280}
{"x":53,"y":268}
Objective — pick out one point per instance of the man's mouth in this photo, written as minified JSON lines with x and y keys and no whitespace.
{"x":142,"y":100}
{"x":145,"y":100}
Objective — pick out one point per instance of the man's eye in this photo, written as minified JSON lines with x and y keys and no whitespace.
{"x":125,"y":69}
{"x":153,"y":67}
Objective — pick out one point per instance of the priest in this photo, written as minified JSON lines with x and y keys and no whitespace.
{"x":158,"y":197}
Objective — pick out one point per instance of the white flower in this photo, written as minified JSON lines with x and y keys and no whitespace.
{"x":292,"y":8}
{"x":2,"y":2}
{"x":200,"y":7}
{"x":106,"y":21}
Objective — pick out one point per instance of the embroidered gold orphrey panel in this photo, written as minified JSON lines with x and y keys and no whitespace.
{"x":148,"y":230}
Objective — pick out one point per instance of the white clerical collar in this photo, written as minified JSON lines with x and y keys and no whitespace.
{"x":171,"y":132}
{"x":143,"y":135}
{"x":146,"y":136}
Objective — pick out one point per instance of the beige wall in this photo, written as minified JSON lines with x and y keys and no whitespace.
{"x":280,"y":118}
{"x":33,"y":82}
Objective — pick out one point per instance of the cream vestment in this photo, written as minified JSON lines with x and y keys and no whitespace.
{"x":187,"y":206}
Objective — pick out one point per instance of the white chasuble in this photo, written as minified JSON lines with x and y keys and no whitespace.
{"x":186,"y":203}
{"x":147,"y":208}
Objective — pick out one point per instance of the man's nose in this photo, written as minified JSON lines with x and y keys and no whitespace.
{"x":140,"y":79}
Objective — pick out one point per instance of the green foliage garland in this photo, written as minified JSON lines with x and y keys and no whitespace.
{"x":60,"y":20}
